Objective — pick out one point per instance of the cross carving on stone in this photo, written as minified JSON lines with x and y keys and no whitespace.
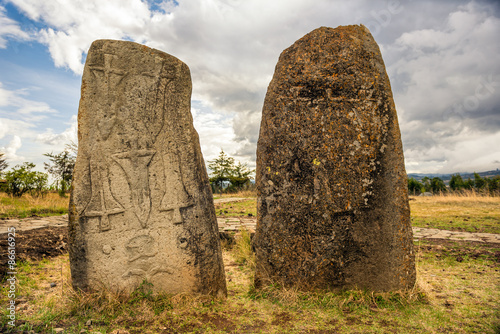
{"x":176,"y":207}
{"x":111,"y":78}
{"x":107,"y":70}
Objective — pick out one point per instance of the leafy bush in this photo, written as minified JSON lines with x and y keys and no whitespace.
{"x":23,"y":179}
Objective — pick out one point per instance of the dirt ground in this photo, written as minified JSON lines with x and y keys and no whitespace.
{"x":460,"y":249}
{"x":35,"y":245}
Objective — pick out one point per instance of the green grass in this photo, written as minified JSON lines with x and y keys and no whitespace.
{"x":246,"y":208}
{"x":240,"y":194}
{"x":457,"y":213}
{"x":457,"y":292}
{"x":26,"y":206}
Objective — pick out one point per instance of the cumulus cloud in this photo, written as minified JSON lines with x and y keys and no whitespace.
{"x":73,"y":25}
{"x":10,"y":127}
{"x":25,"y":108}
{"x":441,"y":58}
{"x":67,"y":136}
{"x":19,"y":118}
{"x":447,"y":87}
{"x":214,"y":129}
{"x":11,"y":149}
{"x":9,"y":29}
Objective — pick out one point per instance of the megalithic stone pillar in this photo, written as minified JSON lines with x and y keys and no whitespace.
{"x":332,"y":187}
{"x":141,"y":206}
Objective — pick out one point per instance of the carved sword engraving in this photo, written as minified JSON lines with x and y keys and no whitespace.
{"x":135,"y":164}
{"x":102,"y":203}
{"x":176,"y":196}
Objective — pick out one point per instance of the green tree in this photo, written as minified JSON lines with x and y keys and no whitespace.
{"x":437,"y":185}
{"x":426,"y":184}
{"x":414,"y":186}
{"x":3,"y":163}
{"x":456,"y":182}
{"x":493,"y":184}
{"x":22,"y":179}
{"x":222,"y":169}
{"x":479,"y":182}
{"x":226,"y":173}
{"x":240,"y":176}
{"x":469,"y":184}
{"x":61,"y":168}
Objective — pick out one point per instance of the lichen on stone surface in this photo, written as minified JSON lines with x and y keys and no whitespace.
{"x":329,"y":162}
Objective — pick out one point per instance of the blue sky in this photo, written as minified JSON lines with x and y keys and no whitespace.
{"x":443,"y":59}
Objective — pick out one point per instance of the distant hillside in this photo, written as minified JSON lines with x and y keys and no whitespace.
{"x":446,"y":177}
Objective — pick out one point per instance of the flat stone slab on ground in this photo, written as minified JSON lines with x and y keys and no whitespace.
{"x":32,"y":223}
{"x":230,"y":199}
{"x":433,"y":233}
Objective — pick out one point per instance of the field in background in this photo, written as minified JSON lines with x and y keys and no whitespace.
{"x":50,"y":204}
{"x":242,"y":194}
{"x":469,"y":212}
{"x":245,"y":208}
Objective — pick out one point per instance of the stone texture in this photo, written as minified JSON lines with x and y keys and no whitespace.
{"x":332,"y":188}
{"x":141,"y":206}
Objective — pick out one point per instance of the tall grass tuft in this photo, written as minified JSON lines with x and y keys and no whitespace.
{"x":343,"y":299}
{"x":243,"y":251}
{"x":27,"y":205}
{"x":250,"y":193}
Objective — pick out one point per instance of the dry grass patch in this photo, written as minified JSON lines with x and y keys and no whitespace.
{"x":468,"y":212}
{"x":457,"y":292}
{"x":50,"y":204}
{"x":243,"y":194}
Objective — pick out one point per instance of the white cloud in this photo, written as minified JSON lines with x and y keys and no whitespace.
{"x":445,"y":66}
{"x":25,"y":108}
{"x":10,"y":127}
{"x":11,"y":149}
{"x":441,"y":57}
{"x":215,"y":130}
{"x":5,"y":96}
{"x":19,"y":118}
{"x":73,"y":25}
{"x":474,"y":154}
{"x":9,"y":29}
{"x":67,"y":136}
{"x":447,"y":89}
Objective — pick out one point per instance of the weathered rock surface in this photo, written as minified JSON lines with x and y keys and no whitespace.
{"x":333,"y":205}
{"x":141,"y":206}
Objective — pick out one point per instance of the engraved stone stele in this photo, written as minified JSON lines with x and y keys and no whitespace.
{"x":332,"y":187}
{"x":141,"y":206}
